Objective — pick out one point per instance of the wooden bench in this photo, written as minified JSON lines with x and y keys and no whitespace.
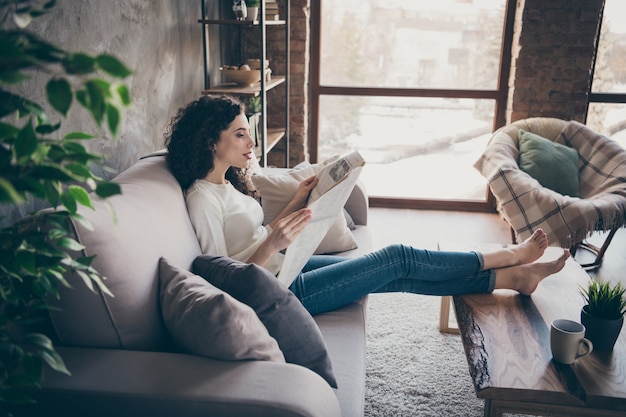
{"x":506,"y":337}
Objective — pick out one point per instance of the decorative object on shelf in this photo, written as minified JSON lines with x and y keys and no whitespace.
{"x":271,"y":10}
{"x":232,"y":80}
{"x":240,"y":9}
{"x":253,"y":113}
{"x":253,"y":10}
{"x":241,"y":76}
{"x":603,"y":315}
{"x":255,"y":64}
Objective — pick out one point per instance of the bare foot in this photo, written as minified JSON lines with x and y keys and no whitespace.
{"x":524,"y":253}
{"x":525,"y":278}
{"x":531,"y":249}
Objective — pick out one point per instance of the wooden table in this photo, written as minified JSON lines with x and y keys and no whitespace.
{"x":506,"y":337}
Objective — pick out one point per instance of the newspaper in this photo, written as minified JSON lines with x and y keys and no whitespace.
{"x":335,"y":183}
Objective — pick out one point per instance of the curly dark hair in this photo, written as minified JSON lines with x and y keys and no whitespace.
{"x":194,"y":132}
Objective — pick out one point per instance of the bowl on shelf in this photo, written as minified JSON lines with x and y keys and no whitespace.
{"x":255,"y":64}
{"x":240,"y":77}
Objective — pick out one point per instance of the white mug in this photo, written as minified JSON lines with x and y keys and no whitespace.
{"x":566,"y":339}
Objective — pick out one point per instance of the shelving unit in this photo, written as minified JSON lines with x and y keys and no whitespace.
{"x":269,"y":137}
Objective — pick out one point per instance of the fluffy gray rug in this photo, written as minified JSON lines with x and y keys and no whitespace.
{"x":412,"y":369}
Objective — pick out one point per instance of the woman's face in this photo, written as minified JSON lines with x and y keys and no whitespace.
{"x":235,"y":147}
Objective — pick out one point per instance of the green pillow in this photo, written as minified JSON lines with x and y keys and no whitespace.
{"x":555,"y":166}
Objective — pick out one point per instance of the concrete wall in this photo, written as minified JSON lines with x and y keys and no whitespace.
{"x":159,"y":40}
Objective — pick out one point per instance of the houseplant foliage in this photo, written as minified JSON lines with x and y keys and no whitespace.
{"x":603,"y":314}
{"x":38,"y":163}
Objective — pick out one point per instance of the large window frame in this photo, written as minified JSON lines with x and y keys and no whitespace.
{"x":499,"y":95}
{"x":603,"y":97}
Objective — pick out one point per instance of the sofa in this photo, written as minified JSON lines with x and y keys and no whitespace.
{"x":123,"y":361}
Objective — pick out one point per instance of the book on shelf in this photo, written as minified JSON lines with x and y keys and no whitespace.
{"x":335,"y":183}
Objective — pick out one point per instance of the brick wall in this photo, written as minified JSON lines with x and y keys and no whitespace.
{"x":553,"y":56}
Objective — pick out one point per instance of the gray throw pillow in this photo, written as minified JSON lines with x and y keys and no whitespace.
{"x":206,"y":321}
{"x":279,"y":309}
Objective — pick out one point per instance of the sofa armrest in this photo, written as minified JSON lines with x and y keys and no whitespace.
{"x":358,"y":204}
{"x":109,"y":382}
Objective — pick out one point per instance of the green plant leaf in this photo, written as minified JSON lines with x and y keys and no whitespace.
{"x":8,"y":193}
{"x":108,"y":189}
{"x":82,"y":220}
{"x":79,"y":63}
{"x":8,"y":130}
{"x":112,"y":66}
{"x":96,"y":102}
{"x":26,"y":142}
{"x":70,"y":244}
{"x":86,"y":280}
{"x":52,"y":172}
{"x":46,"y":129}
{"x":13,"y":77}
{"x":26,"y":261}
{"x":78,"y":136}
{"x":124,"y":94}
{"x":113,"y":118}
{"x":69,"y":202}
{"x":39,"y":340}
{"x":98,"y":280}
{"x":605,"y":299}
{"x":80,"y":170}
{"x":54,"y":360}
{"x":59,"y":94}
{"x":81,"y":196}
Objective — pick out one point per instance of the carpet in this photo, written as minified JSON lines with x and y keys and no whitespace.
{"x":412,"y":369}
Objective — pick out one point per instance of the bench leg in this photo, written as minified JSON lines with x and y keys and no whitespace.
{"x":444,"y":316}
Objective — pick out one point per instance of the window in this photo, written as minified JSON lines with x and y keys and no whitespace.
{"x":416,"y":86}
{"x":607,"y":108}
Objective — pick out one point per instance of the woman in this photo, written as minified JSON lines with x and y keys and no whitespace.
{"x":209,"y":152}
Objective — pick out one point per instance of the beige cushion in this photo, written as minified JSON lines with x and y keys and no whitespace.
{"x":277,"y":190}
{"x":207,"y":321}
{"x":129,"y":233}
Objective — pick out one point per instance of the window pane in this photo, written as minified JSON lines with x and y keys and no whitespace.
{"x":610,"y":69}
{"x":608,"y":119}
{"x":411,"y":43}
{"x":414,"y":147}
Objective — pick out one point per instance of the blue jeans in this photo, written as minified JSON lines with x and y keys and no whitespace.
{"x":329,"y":282}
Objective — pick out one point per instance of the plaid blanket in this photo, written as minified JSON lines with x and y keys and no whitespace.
{"x":528,"y":206}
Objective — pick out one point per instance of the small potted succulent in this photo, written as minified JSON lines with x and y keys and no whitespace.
{"x":253,"y":9}
{"x":253,"y":113}
{"x":603,"y":314}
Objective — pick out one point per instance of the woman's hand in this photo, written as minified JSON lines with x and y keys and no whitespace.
{"x":302,"y":194}
{"x":298,"y":201}
{"x":283,"y":234}
{"x":287,"y":229}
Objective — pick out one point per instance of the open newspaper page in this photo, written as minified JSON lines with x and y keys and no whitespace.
{"x":336,"y":181}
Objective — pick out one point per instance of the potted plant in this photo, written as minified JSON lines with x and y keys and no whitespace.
{"x":253,"y":113}
{"x":253,"y":9}
{"x":40,"y":166}
{"x":603,"y":314}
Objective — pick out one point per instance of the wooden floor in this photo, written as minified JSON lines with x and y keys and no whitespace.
{"x":425,"y":228}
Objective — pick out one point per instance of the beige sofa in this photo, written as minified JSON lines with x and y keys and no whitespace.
{"x":120,"y":355}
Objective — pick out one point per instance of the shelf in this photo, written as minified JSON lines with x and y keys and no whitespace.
{"x":251,"y":90}
{"x":274,"y":135}
{"x":244,"y":31}
{"x":240,"y":22}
